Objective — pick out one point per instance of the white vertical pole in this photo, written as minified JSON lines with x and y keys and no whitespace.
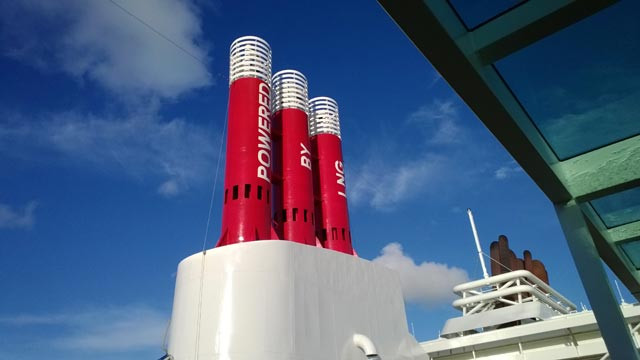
{"x":622,"y":302}
{"x":475,"y":236}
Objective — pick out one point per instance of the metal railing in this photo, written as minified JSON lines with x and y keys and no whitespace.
{"x":250,"y":57}
{"x":323,"y":116}
{"x":516,"y":287}
{"x":290,"y":91}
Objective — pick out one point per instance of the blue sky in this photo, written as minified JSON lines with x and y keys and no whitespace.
{"x":109,"y":139}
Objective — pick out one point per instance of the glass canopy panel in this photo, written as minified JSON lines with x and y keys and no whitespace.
{"x":580,"y":85}
{"x":475,"y":12}
{"x":619,"y":208}
{"x":632,"y":250}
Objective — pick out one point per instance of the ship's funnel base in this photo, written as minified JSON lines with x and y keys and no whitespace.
{"x":279,"y":300}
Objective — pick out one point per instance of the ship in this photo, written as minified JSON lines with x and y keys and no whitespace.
{"x":284,"y":281}
{"x":516,"y":314}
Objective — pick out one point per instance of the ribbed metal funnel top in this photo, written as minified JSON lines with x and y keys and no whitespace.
{"x":291,"y":91}
{"x":250,"y":56}
{"x":323,"y":116}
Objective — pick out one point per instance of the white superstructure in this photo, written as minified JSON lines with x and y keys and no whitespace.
{"x":517,"y":316}
{"x":280,"y":300}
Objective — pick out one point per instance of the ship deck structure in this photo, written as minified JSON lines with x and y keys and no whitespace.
{"x":522,"y":67}
{"x":517,"y":316}
{"x":553,"y":80}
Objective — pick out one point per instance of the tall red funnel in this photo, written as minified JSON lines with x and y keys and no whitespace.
{"x":332,"y":214}
{"x":293,"y":180}
{"x":246,"y":211}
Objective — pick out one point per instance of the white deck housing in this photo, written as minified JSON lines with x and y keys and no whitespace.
{"x":279,"y":300}
{"x":500,"y":299}
{"x":517,"y":316}
{"x":571,"y":336}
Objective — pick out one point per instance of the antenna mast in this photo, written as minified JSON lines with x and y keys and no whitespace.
{"x":622,"y":302}
{"x":475,"y":236}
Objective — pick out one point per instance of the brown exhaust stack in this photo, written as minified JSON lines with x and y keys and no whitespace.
{"x":504,"y":260}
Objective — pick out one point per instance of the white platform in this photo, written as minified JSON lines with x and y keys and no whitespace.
{"x":571,"y":336}
{"x":278,"y":300}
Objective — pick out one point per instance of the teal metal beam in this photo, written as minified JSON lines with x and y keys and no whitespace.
{"x":431,"y":26}
{"x":528,"y":23}
{"x":617,"y":261}
{"x":603,"y":171}
{"x":624,"y":232}
{"x":434,"y":27}
{"x":605,"y":242}
{"x":594,"y":279}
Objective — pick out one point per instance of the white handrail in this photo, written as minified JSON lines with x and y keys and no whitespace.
{"x":250,"y":56}
{"x":495,"y":295}
{"x":323,"y":116}
{"x":498,"y":279}
{"x":290,"y":90}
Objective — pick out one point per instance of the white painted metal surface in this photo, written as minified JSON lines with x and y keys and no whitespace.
{"x":570,"y":336}
{"x":250,"y":57}
{"x":323,"y":116}
{"x":477,"y":240}
{"x":515,"y":287}
{"x":290,"y":91}
{"x":279,"y":300}
{"x":489,"y":303}
{"x":518,"y":316}
{"x":490,"y":320}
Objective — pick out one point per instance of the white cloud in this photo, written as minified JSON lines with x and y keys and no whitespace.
{"x":440,"y":121}
{"x":507,"y":171}
{"x":96,"y":40}
{"x":448,"y":159}
{"x":13,"y":218}
{"x":385,"y":185}
{"x":30,"y":319}
{"x":384,"y":181}
{"x":99,"y":42}
{"x":427,"y":283}
{"x":169,"y":188}
{"x":456,"y":210}
{"x":141,"y":145}
{"x":98,"y":330}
